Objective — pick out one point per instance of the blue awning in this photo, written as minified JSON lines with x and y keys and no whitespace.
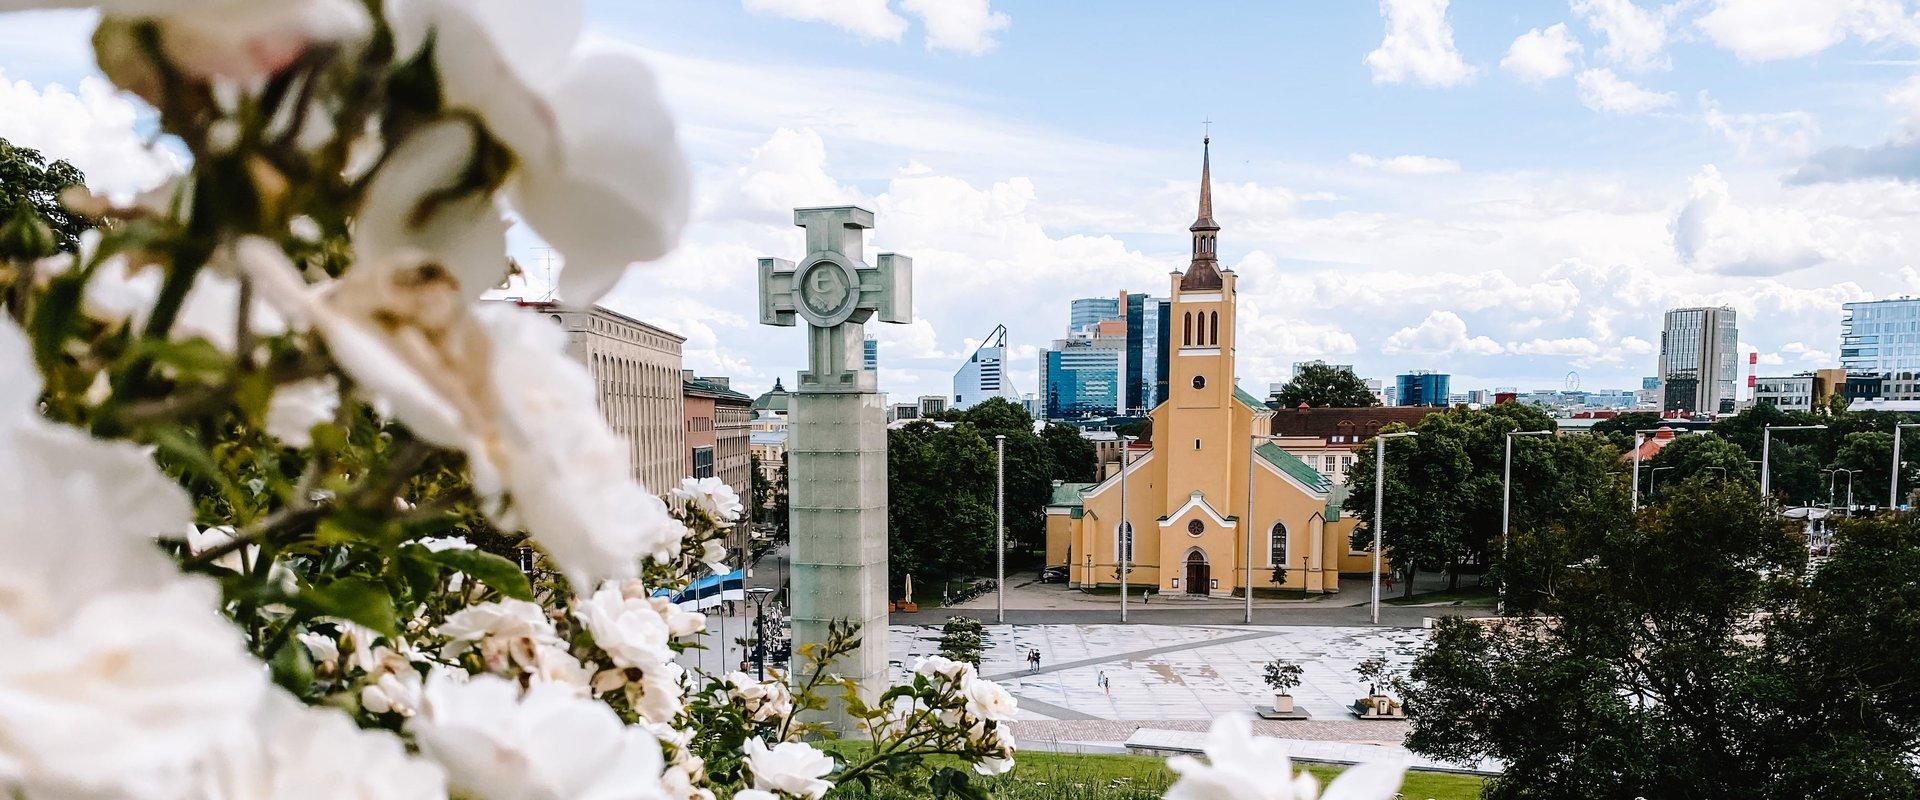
{"x":711,"y":586}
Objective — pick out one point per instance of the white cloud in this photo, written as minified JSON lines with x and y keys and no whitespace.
{"x":1712,"y":231}
{"x":1407,"y":165}
{"x":1636,"y":36}
{"x":94,"y":130}
{"x":964,"y":26}
{"x":1603,"y":91}
{"x":1541,"y":55}
{"x":1568,"y":347}
{"x":1807,"y":354}
{"x":1441,"y":333}
{"x":1789,"y":131}
{"x":1770,"y":30}
{"x":867,"y":19}
{"x":1418,"y":46}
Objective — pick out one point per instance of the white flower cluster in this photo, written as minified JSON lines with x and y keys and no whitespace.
{"x":962,"y":699}
{"x":122,"y":679}
{"x":636,"y":631}
{"x":1241,"y":766}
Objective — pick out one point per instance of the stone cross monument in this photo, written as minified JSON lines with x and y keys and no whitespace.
{"x":837,"y":446}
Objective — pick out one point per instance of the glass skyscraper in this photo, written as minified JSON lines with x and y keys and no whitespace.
{"x":1699,"y":360}
{"x":1422,"y":389}
{"x":1881,"y":336}
{"x":1088,"y":311}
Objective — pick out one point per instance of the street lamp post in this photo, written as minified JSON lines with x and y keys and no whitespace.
{"x":1833,"y":480}
{"x":1124,"y":540}
{"x":1766,"y":453}
{"x":1000,"y":529}
{"x":1639,"y":440}
{"x":759,"y":595}
{"x":1893,"y":492}
{"x":1654,"y":475}
{"x":1506,"y":508}
{"x":1379,"y":508}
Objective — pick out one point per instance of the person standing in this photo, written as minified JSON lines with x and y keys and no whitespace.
{"x":1106,"y":687}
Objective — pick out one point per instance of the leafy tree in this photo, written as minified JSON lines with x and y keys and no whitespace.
{"x":29,"y":183}
{"x":1693,"y":654}
{"x":939,"y":502}
{"x":1424,"y":513}
{"x":1326,"y":386}
{"x":1797,"y":455}
{"x":1700,"y":455}
{"x":1073,"y":457}
{"x":1619,"y":429}
{"x":1030,"y":469}
{"x":1870,"y":455}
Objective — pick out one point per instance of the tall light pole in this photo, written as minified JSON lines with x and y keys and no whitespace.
{"x":1123,"y":541}
{"x":1639,"y":440}
{"x":1000,"y":528}
{"x":1893,"y":493}
{"x":759,"y":595}
{"x":1833,"y":480}
{"x":1654,"y":475}
{"x":1766,"y":453}
{"x":1506,"y":508}
{"x":1379,"y":507}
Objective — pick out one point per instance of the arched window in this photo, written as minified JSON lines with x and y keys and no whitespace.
{"x":1186,"y":328}
{"x":1277,"y":545}
{"x":1123,"y":542}
{"x":1213,"y":335}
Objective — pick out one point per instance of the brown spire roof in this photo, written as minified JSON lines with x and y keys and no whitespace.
{"x":1203,"y":272}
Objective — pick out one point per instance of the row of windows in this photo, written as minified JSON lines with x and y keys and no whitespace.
{"x":1276,"y":541}
{"x":1208,"y":334}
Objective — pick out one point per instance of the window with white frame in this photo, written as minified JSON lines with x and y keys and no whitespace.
{"x":1277,"y":545}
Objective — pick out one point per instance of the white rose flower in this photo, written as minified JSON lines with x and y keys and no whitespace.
{"x":601,"y":177}
{"x":498,"y":743}
{"x":496,"y":383}
{"x":123,"y":696}
{"x":660,"y":694}
{"x":1241,"y":766}
{"x":632,"y":632}
{"x":754,"y":794}
{"x":942,"y":667}
{"x":296,"y":752}
{"x":439,"y":543}
{"x":711,"y":495}
{"x":465,"y":234}
{"x":325,"y":651}
{"x":791,"y":768}
{"x":506,"y":632}
{"x":681,"y":623}
{"x":393,"y":684}
{"x":768,"y":701}
{"x":296,"y":407}
{"x":986,"y":700}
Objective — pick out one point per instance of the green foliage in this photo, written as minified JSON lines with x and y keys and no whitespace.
{"x":1691,"y":647}
{"x":1619,"y":429}
{"x":1702,"y":456}
{"x":1282,"y":675}
{"x":30,"y":196}
{"x":1074,"y":458}
{"x":1326,"y":386}
{"x":963,"y":639}
{"x":1443,"y":493}
{"x":939,"y":503}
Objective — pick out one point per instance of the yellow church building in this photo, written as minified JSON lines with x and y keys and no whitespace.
{"x":1186,"y":516}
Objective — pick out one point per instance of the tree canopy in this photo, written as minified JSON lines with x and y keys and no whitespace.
{"x":29,"y":183}
{"x":1688,"y":651}
{"x":1326,"y":386}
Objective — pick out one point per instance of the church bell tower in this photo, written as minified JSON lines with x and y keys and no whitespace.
{"x":1201,"y":327}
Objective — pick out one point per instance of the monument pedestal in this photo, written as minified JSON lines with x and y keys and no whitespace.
{"x":837,"y":493}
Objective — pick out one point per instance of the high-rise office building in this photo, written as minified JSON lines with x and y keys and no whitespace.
{"x":1880,"y":337}
{"x":1422,"y":389}
{"x":1088,"y":311}
{"x":1699,"y":360}
{"x":984,"y":374}
{"x":1082,"y":377}
{"x":870,"y":355}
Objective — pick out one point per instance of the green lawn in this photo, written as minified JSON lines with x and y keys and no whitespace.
{"x":1062,"y":776}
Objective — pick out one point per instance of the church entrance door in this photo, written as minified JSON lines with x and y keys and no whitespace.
{"x":1197,"y":579}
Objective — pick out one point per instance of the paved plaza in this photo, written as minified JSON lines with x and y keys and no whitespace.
{"x":1170,"y":672}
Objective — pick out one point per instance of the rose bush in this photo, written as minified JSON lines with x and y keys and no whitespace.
{"x":264,"y":453}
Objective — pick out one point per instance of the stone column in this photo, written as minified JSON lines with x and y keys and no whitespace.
{"x":837,"y":495}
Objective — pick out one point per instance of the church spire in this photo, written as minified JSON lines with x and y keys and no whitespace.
{"x":1203,"y":271}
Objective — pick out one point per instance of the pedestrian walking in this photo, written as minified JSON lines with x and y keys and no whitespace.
{"x":1106,"y":687}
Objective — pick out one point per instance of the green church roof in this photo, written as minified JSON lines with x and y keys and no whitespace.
{"x":1250,"y":401}
{"x":1068,"y":494}
{"x":1291,"y":465}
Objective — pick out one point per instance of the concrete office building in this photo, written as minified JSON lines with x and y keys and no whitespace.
{"x":636,"y":372}
{"x":1699,"y":360}
{"x":719,"y":424}
{"x":1804,"y":391}
{"x":984,"y":374}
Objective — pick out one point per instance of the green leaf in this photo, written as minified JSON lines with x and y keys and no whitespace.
{"x":292,"y":667}
{"x":354,"y":599}
{"x":504,"y":576}
{"x":54,"y":316}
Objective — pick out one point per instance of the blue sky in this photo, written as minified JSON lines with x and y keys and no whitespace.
{"x":1394,"y":195}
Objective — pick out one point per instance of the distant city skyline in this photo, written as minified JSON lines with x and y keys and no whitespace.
{"x":1502,"y":192}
